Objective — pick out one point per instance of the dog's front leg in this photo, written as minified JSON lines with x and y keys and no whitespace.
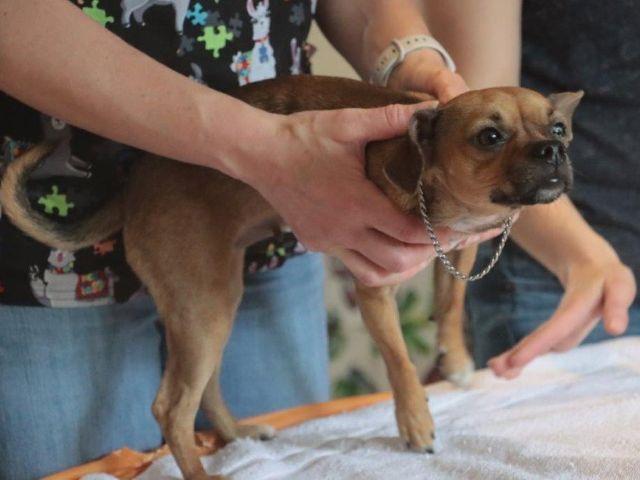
{"x":380,"y":315}
{"x":455,"y":363}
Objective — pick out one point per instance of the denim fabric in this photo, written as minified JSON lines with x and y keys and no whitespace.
{"x":78,"y":383}
{"x":513,"y":300}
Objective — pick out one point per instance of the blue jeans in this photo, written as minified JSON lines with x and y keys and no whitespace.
{"x":513,"y":300}
{"x":76,"y":384}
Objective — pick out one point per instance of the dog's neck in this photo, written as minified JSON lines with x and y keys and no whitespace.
{"x":445,"y":210}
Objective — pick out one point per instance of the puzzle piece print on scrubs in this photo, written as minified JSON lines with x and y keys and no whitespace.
{"x":56,"y":203}
{"x":235,"y":25}
{"x":186,"y":45}
{"x":214,"y":19}
{"x":197,"y":15}
{"x":215,"y":41}
{"x":98,"y":14}
{"x":297,"y":16}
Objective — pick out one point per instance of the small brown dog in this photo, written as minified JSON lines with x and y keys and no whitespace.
{"x":480,"y":158}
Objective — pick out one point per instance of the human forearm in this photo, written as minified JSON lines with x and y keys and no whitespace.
{"x":373,"y":24}
{"x":558,"y":237}
{"x":483,"y":37}
{"x":80,"y":72}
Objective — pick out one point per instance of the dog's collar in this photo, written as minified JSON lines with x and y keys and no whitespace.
{"x":442,"y":256}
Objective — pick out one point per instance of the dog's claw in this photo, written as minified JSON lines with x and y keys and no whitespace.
{"x":419,"y":450}
{"x":260,"y":432}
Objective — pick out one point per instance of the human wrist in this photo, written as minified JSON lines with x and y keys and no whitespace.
{"x":593,"y":254}
{"x":418,"y":65}
{"x":237,"y":139}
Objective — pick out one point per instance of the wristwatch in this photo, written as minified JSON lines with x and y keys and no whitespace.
{"x":396,"y":52}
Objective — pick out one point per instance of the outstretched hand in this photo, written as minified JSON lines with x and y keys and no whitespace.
{"x":594,"y":291}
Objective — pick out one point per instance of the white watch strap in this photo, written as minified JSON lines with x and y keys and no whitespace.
{"x":396,"y":52}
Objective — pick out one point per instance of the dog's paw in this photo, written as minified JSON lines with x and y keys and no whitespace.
{"x":416,"y":428}
{"x":259,"y":432}
{"x":457,"y":367}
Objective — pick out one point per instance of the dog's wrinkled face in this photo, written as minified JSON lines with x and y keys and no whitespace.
{"x":491,"y":151}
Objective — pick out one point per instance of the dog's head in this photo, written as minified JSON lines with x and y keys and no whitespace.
{"x":487,"y":153}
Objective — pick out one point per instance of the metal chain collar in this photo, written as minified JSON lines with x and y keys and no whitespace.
{"x":442,"y":256}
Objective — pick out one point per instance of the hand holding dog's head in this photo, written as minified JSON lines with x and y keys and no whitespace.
{"x":488,"y":152}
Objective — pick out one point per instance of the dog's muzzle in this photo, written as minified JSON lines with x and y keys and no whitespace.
{"x":541,"y":177}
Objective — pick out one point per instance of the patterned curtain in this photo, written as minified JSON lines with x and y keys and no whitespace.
{"x":356,"y":365}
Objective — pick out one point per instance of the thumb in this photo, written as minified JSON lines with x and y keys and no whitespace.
{"x":619,"y":294}
{"x":384,"y":122}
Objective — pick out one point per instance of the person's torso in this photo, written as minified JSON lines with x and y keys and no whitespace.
{"x":595,"y":46}
{"x":221,"y":43}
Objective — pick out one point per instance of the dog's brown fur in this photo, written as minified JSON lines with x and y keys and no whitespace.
{"x":169,"y":205}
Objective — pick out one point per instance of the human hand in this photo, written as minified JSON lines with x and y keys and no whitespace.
{"x":425,"y":71}
{"x":316,"y":181}
{"x":594,"y":290}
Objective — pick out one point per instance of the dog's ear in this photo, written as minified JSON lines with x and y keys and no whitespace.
{"x":405,"y":171}
{"x":566,"y":102}
{"x":422,"y":127}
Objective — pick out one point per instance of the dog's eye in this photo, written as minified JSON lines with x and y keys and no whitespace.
{"x":559,"y":129}
{"x":489,"y":137}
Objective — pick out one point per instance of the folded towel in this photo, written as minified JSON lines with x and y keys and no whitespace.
{"x":571,"y":416}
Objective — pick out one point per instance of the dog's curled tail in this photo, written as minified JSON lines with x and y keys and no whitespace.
{"x":70,"y":236}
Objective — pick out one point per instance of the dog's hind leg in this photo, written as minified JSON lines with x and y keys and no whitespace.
{"x":197,"y":304}
{"x":195,"y":341}
{"x":455,"y":363}
{"x":224,"y":423}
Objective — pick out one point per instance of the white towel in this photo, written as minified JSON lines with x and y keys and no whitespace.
{"x":568,"y":416}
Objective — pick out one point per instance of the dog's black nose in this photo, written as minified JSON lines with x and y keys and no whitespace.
{"x":552,"y":152}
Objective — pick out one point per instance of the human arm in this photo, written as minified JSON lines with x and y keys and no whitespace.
{"x":371,"y":27}
{"x":484,"y":38}
{"x":59,"y":61}
{"x":598,"y":286}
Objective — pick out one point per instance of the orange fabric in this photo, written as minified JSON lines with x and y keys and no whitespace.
{"x":126,"y":463}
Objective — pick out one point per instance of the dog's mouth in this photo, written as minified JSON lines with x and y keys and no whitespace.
{"x":549,"y":190}
{"x":544,"y":187}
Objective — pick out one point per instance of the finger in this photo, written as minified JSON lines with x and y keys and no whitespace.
{"x":379,"y":213}
{"x":477,"y":238}
{"x":499,"y":366}
{"x":574,"y":312}
{"x":379,"y":123}
{"x":382,"y":215}
{"x":448,"y":85}
{"x":499,"y":363}
{"x":511,"y":373}
{"x":369,"y":273}
{"x":576,"y":338}
{"x":390,"y":254}
{"x":619,"y":294}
